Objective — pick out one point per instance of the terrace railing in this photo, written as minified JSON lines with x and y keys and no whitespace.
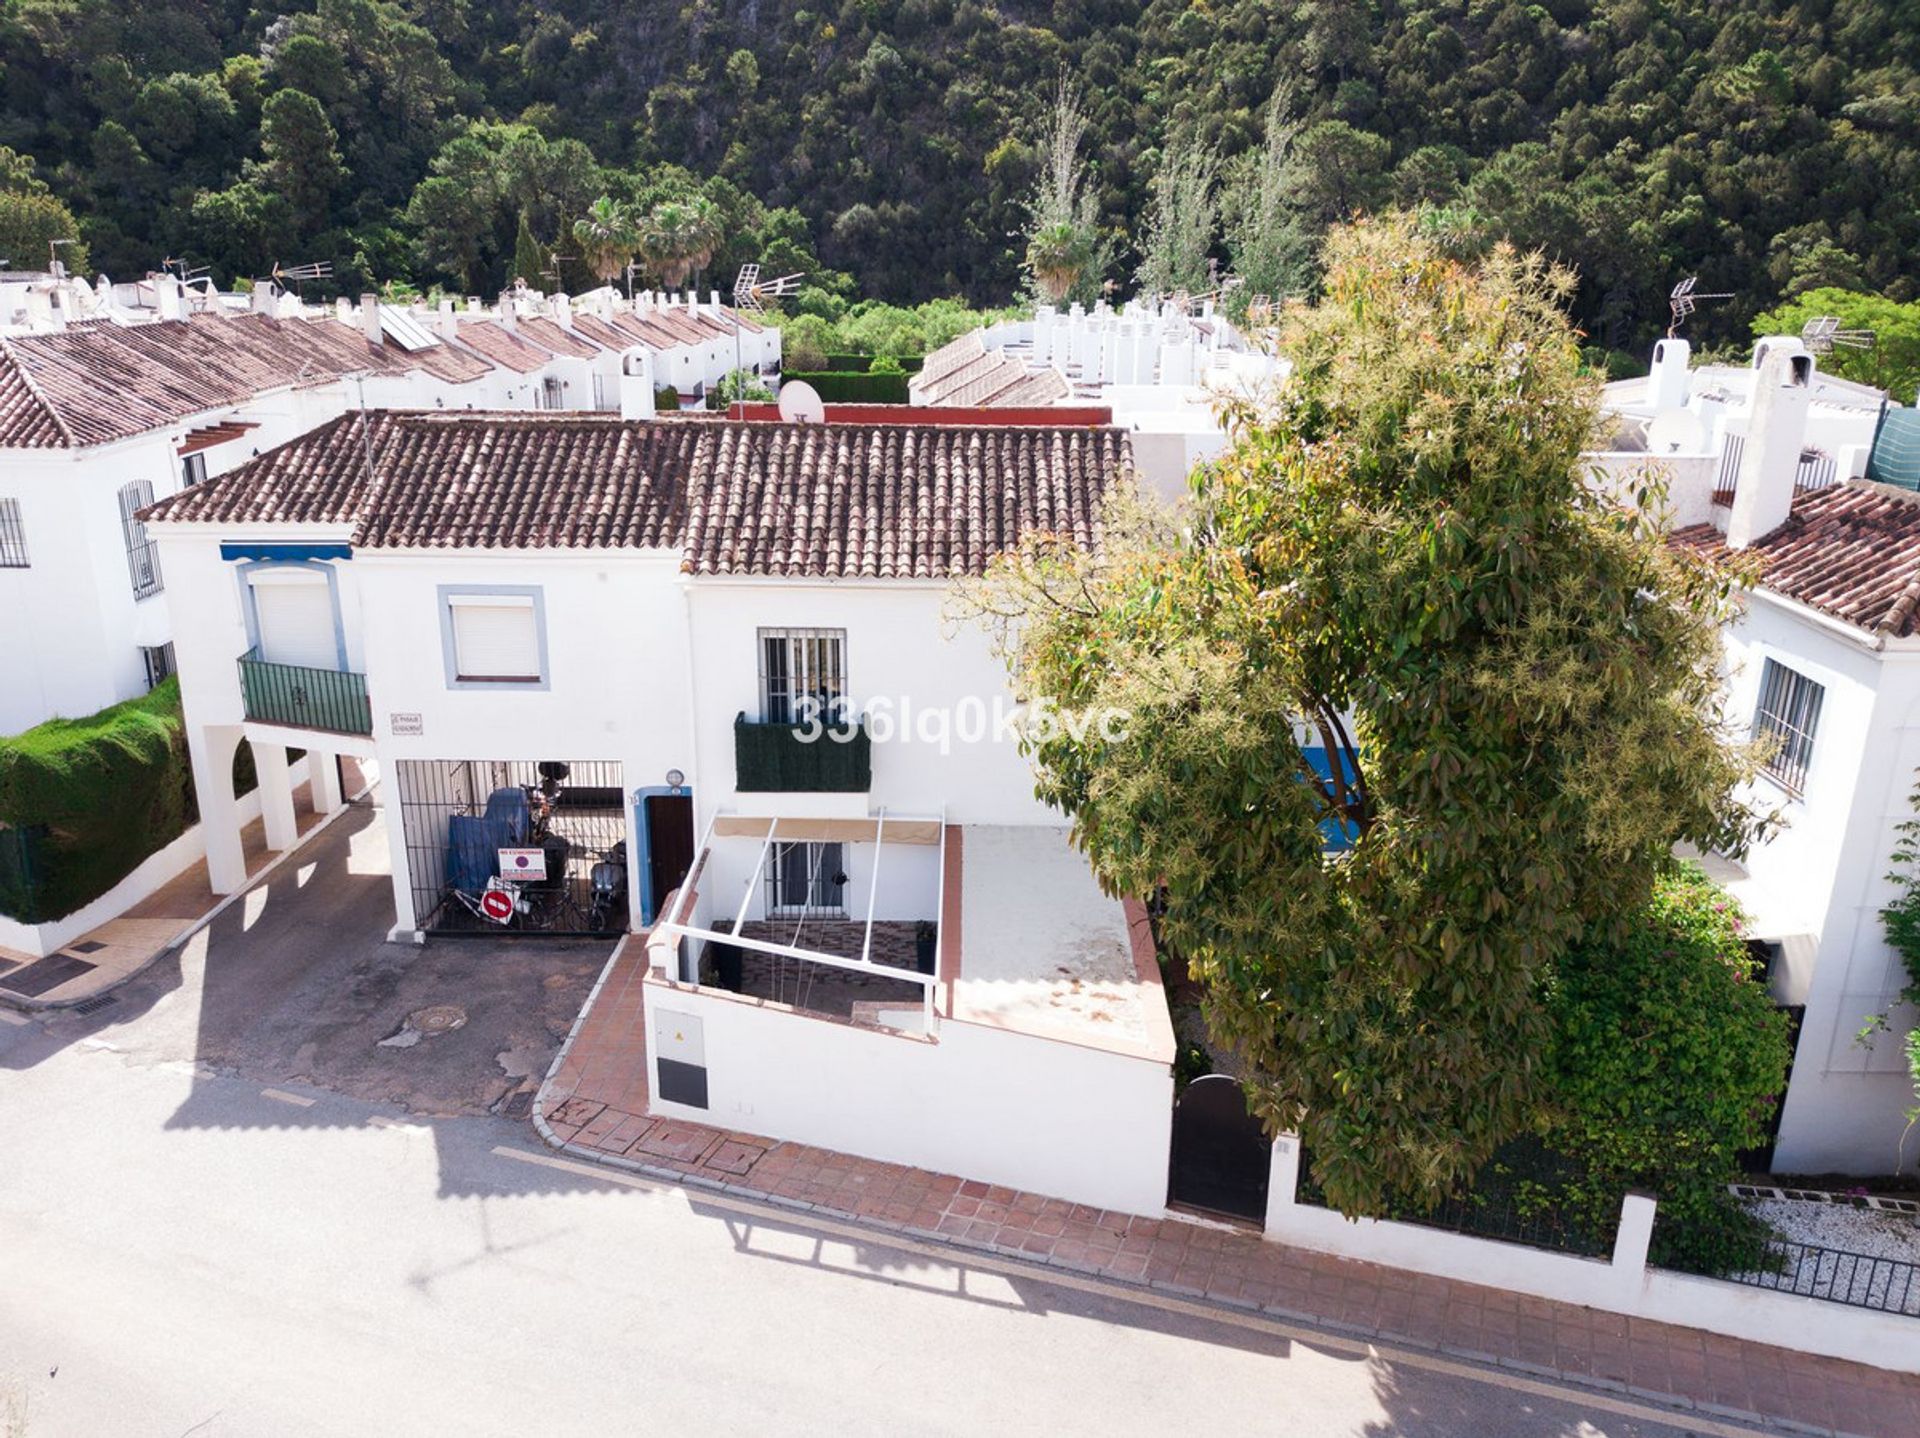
{"x":1861,"y":1280}
{"x":781,"y":758}
{"x":333,"y":700}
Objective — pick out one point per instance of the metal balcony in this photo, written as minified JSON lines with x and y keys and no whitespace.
{"x":331,"y":700}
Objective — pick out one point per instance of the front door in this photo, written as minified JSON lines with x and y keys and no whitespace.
{"x":669,"y":844}
{"x":1221,"y":1156}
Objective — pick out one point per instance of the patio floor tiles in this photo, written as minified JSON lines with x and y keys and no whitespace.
{"x":623,"y":1135}
{"x":674,"y":1140}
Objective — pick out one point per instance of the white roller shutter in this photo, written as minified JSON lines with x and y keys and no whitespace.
{"x":295,"y":611}
{"x":495,"y":637}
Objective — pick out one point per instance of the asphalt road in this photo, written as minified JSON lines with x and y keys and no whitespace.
{"x":222,"y":1212}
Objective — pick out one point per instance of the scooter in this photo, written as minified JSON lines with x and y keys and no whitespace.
{"x":608,"y":879}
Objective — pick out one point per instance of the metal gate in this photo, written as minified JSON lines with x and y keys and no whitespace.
{"x":1221,"y":1155}
{"x":515,"y":846}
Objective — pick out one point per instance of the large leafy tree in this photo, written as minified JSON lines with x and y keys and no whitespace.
{"x":1412,"y":711}
{"x":607,"y":235}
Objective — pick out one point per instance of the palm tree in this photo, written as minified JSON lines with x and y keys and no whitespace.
{"x":678,"y":238}
{"x":1057,"y":256}
{"x":607,"y":235}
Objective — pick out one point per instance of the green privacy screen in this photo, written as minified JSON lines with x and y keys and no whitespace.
{"x":1896,"y":449}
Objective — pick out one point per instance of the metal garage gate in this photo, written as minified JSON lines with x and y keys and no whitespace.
{"x":515,"y":846}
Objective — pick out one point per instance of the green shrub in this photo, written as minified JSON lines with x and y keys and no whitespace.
{"x":666,"y":399}
{"x":854,"y":387}
{"x":97,"y":795}
{"x":1667,"y":1059}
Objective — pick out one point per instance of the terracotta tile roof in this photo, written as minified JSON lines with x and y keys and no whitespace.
{"x":446,"y":362}
{"x":986,"y":377}
{"x":601,"y":333}
{"x":558,"y":338}
{"x":1850,"y":550}
{"x":100,"y":383}
{"x":493,"y":342}
{"x":869,"y":501}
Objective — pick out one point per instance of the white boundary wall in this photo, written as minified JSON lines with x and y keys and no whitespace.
{"x":1007,"y":1108}
{"x":151,"y":874}
{"x":1624,"y":1285}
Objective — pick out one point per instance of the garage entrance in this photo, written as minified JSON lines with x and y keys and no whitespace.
{"x":515,"y":846}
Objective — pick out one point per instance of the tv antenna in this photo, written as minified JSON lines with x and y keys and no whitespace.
{"x":1684,"y":300}
{"x":552,"y":272}
{"x":313,"y":270}
{"x":751,"y":292}
{"x":1821,"y":335}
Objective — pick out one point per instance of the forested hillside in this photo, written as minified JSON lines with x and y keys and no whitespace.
{"x":1769,"y":147}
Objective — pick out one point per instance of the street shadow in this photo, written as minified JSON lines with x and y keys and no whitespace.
{"x":294,"y":988}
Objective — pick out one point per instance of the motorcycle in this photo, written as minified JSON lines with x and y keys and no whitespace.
{"x":608,"y":880}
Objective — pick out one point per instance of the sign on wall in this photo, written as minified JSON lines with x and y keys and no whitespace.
{"x":405,"y":724}
{"x":523,"y":864}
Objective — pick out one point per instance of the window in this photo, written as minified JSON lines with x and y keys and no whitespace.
{"x":806,"y":881}
{"x":159,"y":662}
{"x":551,"y":387}
{"x":1789,"y":714}
{"x":193,"y":470}
{"x":494,"y":637}
{"x":13,"y":536}
{"x":143,"y":556}
{"x":801,"y":665}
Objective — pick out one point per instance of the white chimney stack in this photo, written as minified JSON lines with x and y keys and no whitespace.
{"x":1776,"y":433}
{"x":170,"y":297}
{"x":446,"y":321}
{"x":1668,"y":381}
{"x":509,"y":312}
{"x":370,"y":319}
{"x":343,"y":310}
{"x":636,"y":383}
{"x":562,"y":310}
{"x":264,"y":296}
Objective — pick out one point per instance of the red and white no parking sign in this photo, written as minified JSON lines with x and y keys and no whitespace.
{"x":497,"y":904}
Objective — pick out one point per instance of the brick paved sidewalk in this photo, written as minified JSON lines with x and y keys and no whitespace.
{"x":595,"y":1105}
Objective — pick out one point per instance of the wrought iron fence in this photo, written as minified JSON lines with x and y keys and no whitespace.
{"x":328,"y":699}
{"x":1861,"y":1280}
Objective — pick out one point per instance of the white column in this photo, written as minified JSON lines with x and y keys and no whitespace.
{"x":323,"y":780}
{"x":211,"y":751}
{"x":1283,"y":1182}
{"x":276,"y":795}
{"x":406,"y":923}
{"x":1631,"y":1240}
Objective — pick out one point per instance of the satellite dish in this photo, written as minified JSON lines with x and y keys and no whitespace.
{"x":1676,"y":431}
{"x":800,"y":403}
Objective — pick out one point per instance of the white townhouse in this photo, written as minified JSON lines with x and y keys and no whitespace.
{"x":1163,"y":371}
{"x":1824,"y":664}
{"x":106,"y":407}
{"x":585,"y":651}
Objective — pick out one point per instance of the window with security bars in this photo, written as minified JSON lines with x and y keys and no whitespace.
{"x":143,"y":555}
{"x":806,"y":880}
{"x":1788,"y":714}
{"x":13,"y":536}
{"x":803,"y":672}
{"x":158,"y":659}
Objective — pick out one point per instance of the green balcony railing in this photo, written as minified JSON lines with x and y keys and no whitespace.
{"x":334,"y":700}
{"x":776,"y":758}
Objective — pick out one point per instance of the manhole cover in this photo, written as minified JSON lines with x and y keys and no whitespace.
{"x":437,"y":1019}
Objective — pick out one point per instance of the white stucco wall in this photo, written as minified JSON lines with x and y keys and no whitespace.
{"x":1051,"y":1118}
{"x":899,"y":647}
{"x":1824,"y":875}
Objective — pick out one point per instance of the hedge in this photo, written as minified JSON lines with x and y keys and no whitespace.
{"x":84,"y":801}
{"x":852,"y":386}
{"x":862,"y":363}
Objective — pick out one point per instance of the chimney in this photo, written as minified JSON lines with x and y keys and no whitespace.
{"x":1667,"y":381}
{"x":509,"y":312}
{"x":446,"y":322}
{"x":562,"y":310}
{"x":170,"y":297}
{"x":636,"y":383}
{"x":264,"y":296}
{"x":343,"y":310}
{"x":370,"y":319}
{"x":40,"y":316}
{"x":693,"y":301}
{"x":1776,"y":433}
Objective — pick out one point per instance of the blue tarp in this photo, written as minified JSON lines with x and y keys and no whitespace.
{"x":1339,"y":834}
{"x":474,"y":844}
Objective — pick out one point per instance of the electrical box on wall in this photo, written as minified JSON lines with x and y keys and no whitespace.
{"x":680,"y":1052}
